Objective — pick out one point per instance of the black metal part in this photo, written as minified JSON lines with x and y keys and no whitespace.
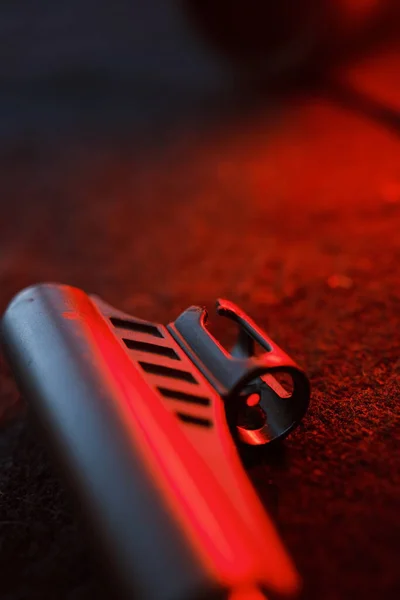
{"x":239,"y":373}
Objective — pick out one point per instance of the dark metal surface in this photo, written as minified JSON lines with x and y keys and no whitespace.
{"x":240,"y":373}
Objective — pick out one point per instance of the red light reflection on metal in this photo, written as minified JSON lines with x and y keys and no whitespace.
{"x":236,"y":542}
{"x":253,"y":400}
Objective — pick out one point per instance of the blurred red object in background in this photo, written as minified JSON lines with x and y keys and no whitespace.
{"x":274,"y":38}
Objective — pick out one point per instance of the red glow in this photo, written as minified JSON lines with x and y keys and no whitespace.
{"x":253,"y":400}
{"x":247,"y":594}
{"x":359,"y":4}
{"x":358,"y":7}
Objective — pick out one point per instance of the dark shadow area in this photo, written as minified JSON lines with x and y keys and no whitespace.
{"x":148,"y":68}
{"x":275,"y":455}
{"x":364,"y":105}
{"x":38,"y":527}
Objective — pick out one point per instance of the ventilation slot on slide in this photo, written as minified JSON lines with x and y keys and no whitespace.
{"x":151,"y":348}
{"x":136,"y":326}
{"x":194,"y":420}
{"x":177,"y":395}
{"x":167,"y":372}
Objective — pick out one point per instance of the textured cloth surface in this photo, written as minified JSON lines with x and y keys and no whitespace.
{"x":293,"y":212}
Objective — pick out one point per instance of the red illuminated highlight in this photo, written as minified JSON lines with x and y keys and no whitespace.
{"x":358,"y":7}
{"x":199,"y":475}
{"x":253,"y":400}
{"x":247,"y":594}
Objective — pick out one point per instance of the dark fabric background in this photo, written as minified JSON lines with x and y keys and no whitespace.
{"x":161,"y":194}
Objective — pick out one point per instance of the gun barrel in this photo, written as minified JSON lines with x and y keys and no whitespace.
{"x":165,"y":524}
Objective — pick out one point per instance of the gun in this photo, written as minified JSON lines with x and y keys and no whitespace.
{"x":146,"y":421}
